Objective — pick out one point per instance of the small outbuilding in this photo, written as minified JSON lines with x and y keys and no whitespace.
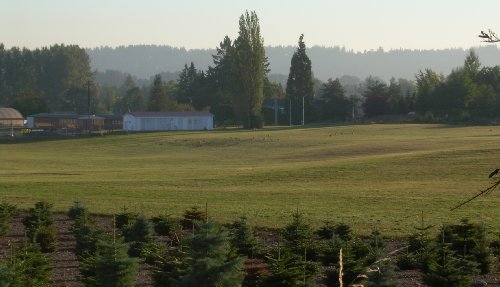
{"x":167,"y":121}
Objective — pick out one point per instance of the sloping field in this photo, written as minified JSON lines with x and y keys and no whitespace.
{"x":369,"y":176}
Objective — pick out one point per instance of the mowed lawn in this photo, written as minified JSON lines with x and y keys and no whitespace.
{"x":385,"y":177}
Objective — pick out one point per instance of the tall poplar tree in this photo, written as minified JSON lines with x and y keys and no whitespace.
{"x":249,"y":71}
{"x":300,"y":84}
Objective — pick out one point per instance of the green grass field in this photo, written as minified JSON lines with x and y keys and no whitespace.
{"x":369,"y":176}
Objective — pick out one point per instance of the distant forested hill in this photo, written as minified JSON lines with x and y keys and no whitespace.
{"x":144,"y":61}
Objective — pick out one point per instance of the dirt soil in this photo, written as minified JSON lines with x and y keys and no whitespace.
{"x":65,"y":264}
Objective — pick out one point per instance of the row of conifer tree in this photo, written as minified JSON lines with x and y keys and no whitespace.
{"x":196,"y":251}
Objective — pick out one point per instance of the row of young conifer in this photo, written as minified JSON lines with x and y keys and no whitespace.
{"x":195,"y":251}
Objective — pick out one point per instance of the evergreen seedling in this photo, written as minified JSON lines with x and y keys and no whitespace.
{"x":289,"y":269}
{"x":163,"y":225}
{"x":125,"y":219}
{"x":191,"y":216}
{"x":210,"y":262}
{"x":113,"y":266}
{"x":78,"y":211}
{"x":381,"y":275}
{"x":6,"y":212}
{"x":6,"y":274}
{"x":298,"y":236}
{"x":243,"y":238}
{"x":31,"y":267}
{"x":39,"y":225}
{"x":137,"y":235}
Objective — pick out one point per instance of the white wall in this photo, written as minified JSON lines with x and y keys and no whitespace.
{"x":31,"y":122}
{"x":131,"y":123}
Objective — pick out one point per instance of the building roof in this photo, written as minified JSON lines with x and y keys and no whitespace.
{"x":10,"y":114}
{"x":170,"y":114}
{"x":55,"y":116}
{"x":74,"y":116}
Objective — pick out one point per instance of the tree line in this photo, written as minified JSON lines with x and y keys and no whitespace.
{"x":470,"y":91}
{"x":145,"y":61}
{"x":47,"y":79}
{"x":234,"y":88}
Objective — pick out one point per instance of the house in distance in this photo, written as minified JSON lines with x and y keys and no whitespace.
{"x":167,"y":121}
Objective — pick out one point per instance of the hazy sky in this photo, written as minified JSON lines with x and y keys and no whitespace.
{"x":355,"y":24}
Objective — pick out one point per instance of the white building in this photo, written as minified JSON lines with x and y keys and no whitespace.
{"x":167,"y":121}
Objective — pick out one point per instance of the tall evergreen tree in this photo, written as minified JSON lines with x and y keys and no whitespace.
{"x":249,"y":71}
{"x":300,"y":84}
{"x":335,"y":105}
{"x":396,"y":102}
{"x":159,"y":100}
{"x":134,"y":100}
{"x":472,"y":64}
{"x":188,"y":80}
{"x":220,"y":84}
{"x":428,"y":82}
{"x":376,"y":97}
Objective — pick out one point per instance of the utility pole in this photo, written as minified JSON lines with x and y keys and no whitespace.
{"x":303,"y":119}
{"x":275,"y":111}
{"x":88,"y":105}
{"x":290,"y":110}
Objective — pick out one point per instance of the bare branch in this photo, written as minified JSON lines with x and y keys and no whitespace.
{"x":489,"y":37}
{"x":486,"y":191}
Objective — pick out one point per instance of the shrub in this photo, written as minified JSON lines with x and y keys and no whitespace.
{"x":447,"y":270}
{"x":210,"y":260}
{"x":46,"y":238}
{"x":377,"y":247}
{"x":6,"y":212}
{"x":125,"y":219}
{"x":343,"y":231}
{"x":243,"y":238}
{"x":420,"y":251}
{"x":298,"y":236}
{"x":87,"y":238}
{"x":428,"y":117}
{"x":354,"y":257}
{"x":163,"y":225}
{"x":191,"y":216}
{"x":469,"y":241}
{"x":330,"y":254}
{"x":495,"y":246}
{"x":31,"y":267}
{"x":6,"y":274}
{"x":381,"y":275}
{"x":407,"y":261}
{"x":330,"y":231}
{"x":290,"y":270}
{"x":39,"y":220}
{"x":78,"y":211}
{"x":152,"y":251}
{"x":110,"y":266}
{"x":169,"y":267}
{"x":327,"y":231}
{"x":137,"y":234}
